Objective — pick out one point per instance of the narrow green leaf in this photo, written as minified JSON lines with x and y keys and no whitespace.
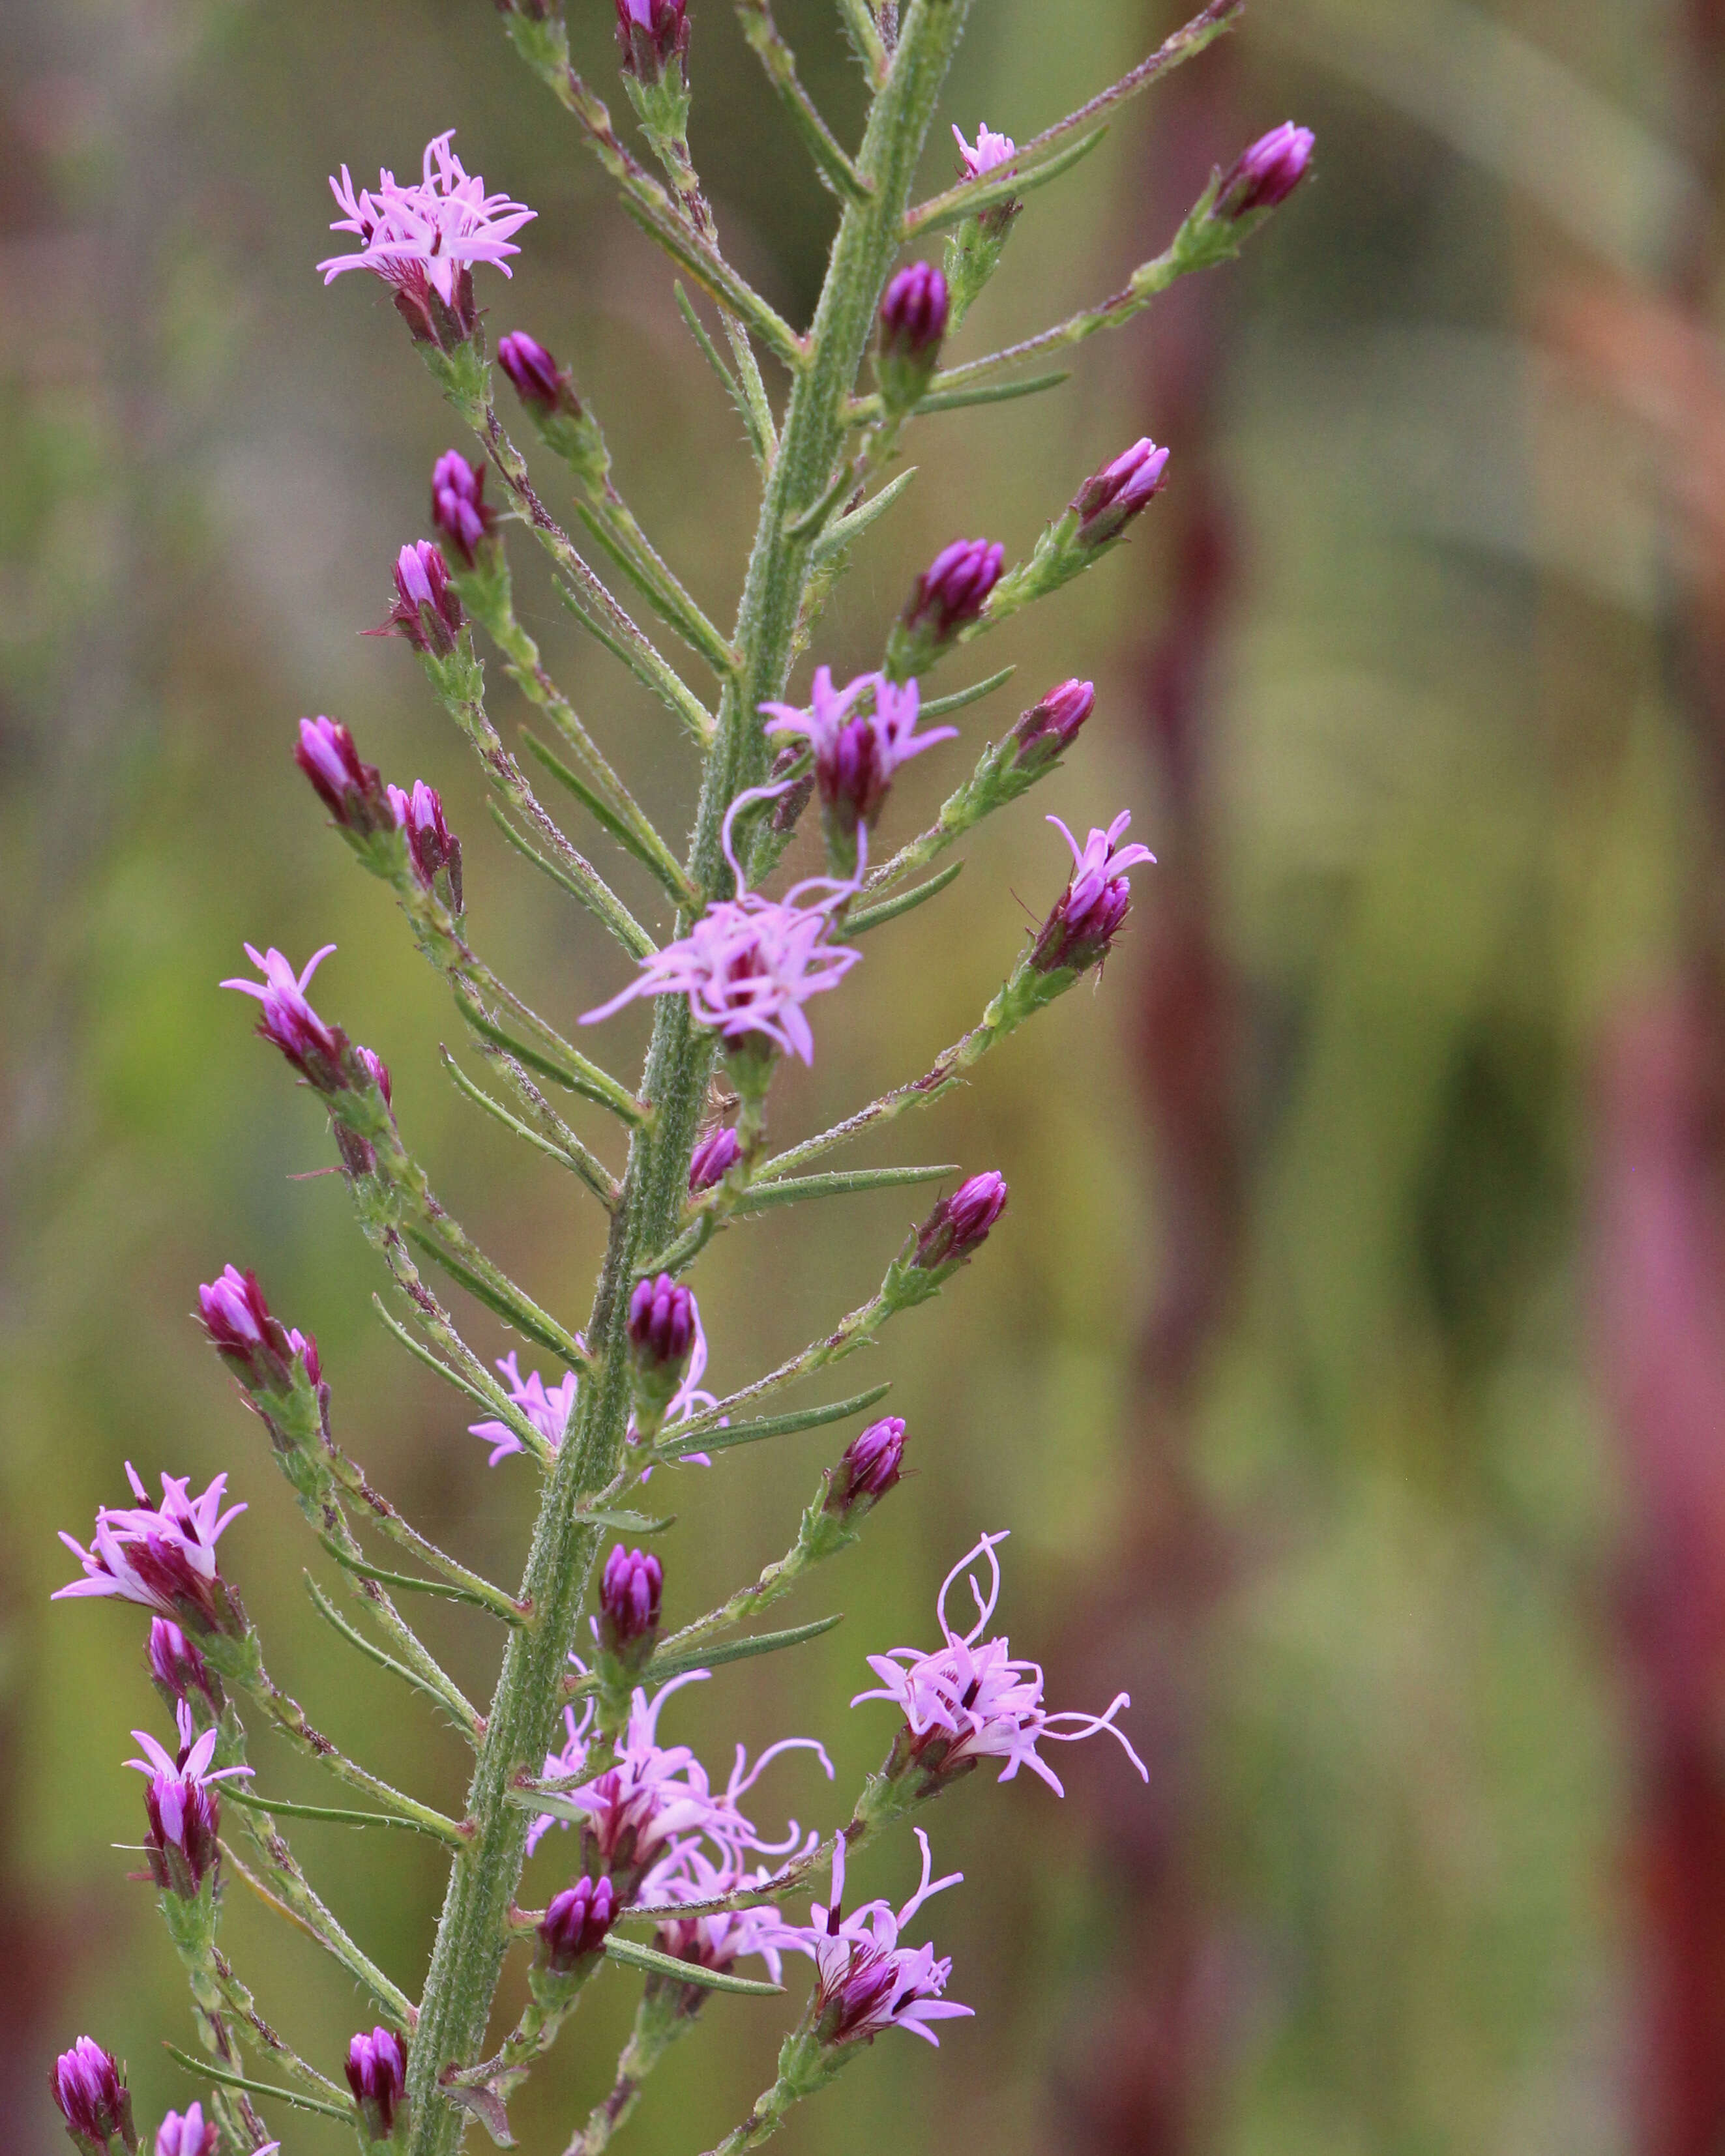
{"x":602,"y":814}
{"x":710,"y":1657}
{"x":248,"y":1802}
{"x":205,"y":2069}
{"x":626,"y":1523}
{"x":521,"y":1314}
{"x":496,"y":1601}
{"x":450,"y":1701}
{"x":849,"y":529}
{"x":711,"y":1439}
{"x":990,"y":392}
{"x":974,"y":695}
{"x":907,"y":902}
{"x":686,"y":1972}
{"x":603,"y":904}
{"x":591,"y":1171}
{"x":969,"y":197}
{"x":791,"y":1190}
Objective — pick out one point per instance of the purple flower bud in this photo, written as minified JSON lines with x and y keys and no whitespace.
{"x":714,"y":1157}
{"x":959,"y":1226}
{"x":1048,"y":728}
{"x":629,"y":1604}
{"x":193,"y":2135}
{"x":458,"y":504}
{"x":379,"y":1071}
{"x":1265,"y":176}
{"x":1084,"y":923}
{"x":1106,"y":503}
{"x":320,"y":1053}
{"x":258,"y":1348}
{"x":182,"y":1844}
{"x":376,"y":2074}
{"x":94,"y":2102}
{"x":651,"y":35}
{"x":426,"y":611}
{"x":853,"y":774}
{"x":661,"y":1323}
{"x":353,"y":792}
{"x":574,"y":1929}
{"x":867,"y":1468}
{"x":431,"y":845}
{"x":177,"y":1669}
{"x":952,"y":591}
{"x":540,"y":384}
{"x":913,"y":321}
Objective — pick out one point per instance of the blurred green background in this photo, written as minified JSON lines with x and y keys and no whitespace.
{"x":1349,"y":1365}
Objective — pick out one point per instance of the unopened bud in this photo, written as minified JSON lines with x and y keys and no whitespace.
{"x":1048,"y":728}
{"x":178,"y":1671}
{"x":432,"y":847}
{"x":192,"y":2135}
{"x":376,"y":2074}
{"x":913,"y":322}
{"x":1105,"y":503}
{"x":651,"y":35}
{"x":661,"y":1338}
{"x":629,"y":1596}
{"x":949,"y":595}
{"x":426,"y":612}
{"x":574,"y":1929}
{"x":351,"y":790}
{"x":262,"y":1352}
{"x":714,"y":1157}
{"x":90,"y":2088}
{"x":959,"y":1226}
{"x":868,"y":1467}
{"x":1263,"y":177}
{"x":458,"y":504}
{"x":540,"y":384}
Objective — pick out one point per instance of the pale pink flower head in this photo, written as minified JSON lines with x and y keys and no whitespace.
{"x":865,"y":1982}
{"x":162,"y":1556}
{"x":969,"y":1700}
{"x":750,"y":963}
{"x":423,"y":239}
{"x":688,"y":1872}
{"x":986,"y":153}
{"x":547,"y":1408}
{"x":319,"y":1052}
{"x":860,"y":734}
{"x":1087,"y":917}
{"x":185,"y":1819}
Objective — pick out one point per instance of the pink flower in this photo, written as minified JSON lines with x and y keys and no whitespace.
{"x":750,"y":963}
{"x":856,"y":755}
{"x":428,"y":234}
{"x":689,"y":1874}
{"x":317,"y":1051}
{"x":185,"y":1819}
{"x":864,"y":1980}
{"x":161,"y":1556}
{"x":656,"y":1796}
{"x":984,"y":154}
{"x":966,"y":1702}
{"x":1088,"y":916}
{"x":547,"y":1409}
{"x":258,"y":1348}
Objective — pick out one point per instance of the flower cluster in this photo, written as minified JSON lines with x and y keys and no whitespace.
{"x":860,"y":736}
{"x":162,"y":1556}
{"x":969,"y":1700}
{"x":425,"y":239}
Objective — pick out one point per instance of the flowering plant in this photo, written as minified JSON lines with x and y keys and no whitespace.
{"x":672,"y":1879}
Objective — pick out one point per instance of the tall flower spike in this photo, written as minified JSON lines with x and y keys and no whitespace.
{"x":865,"y":1982}
{"x":90,"y":2088}
{"x":376,"y":2074}
{"x":750,"y":963}
{"x":423,"y":240}
{"x":1079,"y":932}
{"x":185,"y":1818}
{"x":320,"y":1053}
{"x":162,"y":1556}
{"x":968,"y":1701}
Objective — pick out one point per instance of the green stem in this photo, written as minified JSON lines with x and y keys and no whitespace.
{"x":473,"y":1932}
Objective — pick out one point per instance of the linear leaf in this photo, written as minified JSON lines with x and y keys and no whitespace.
{"x":713,"y":1439}
{"x":792,"y":1189}
{"x":974,"y":695}
{"x":627,"y":1524}
{"x":249,"y":1803}
{"x":990,"y":392}
{"x":906,"y":901}
{"x":711,"y":1656}
{"x":686,"y":1972}
{"x":205,"y":2071}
